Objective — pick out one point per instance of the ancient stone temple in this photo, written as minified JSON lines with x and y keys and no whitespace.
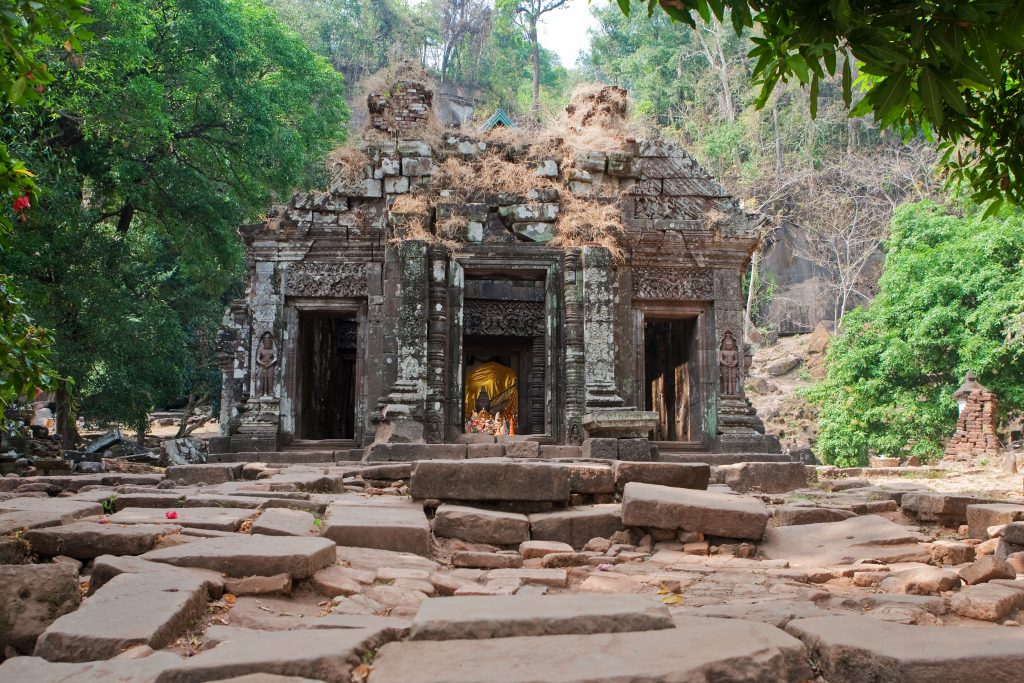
{"x":578,"y":287}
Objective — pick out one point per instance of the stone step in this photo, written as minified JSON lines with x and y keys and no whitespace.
{"x":481,"y":526}
{"x":213,"y":518}
{"x":709,"y":512}
{"x":283,"y":522}
{"x":860,"y":648}
{"x":490,"y":480}
{"x":460,"y":618}
{"x":577,"y":525}
{"x":240,"y":555}
{"x":698,"y":649}
{"x":385,"y":523}
{"x":131,"y":609}
{"x":89,"y":540}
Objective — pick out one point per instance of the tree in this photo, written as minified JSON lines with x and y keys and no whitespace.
{"x":950,"y":298}
{"x":185,"y":120}
{"x":463,"y":24}
{"x":528,"y":14}
{"x":953,"y":69}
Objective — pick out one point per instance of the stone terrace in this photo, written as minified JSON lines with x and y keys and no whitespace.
{"x":507,"y":569}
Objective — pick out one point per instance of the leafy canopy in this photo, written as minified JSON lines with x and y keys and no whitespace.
{"x":950,"y":67}
{"x":951,"y":299}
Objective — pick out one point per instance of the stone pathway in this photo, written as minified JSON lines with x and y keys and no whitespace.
{"x":508,"y":570}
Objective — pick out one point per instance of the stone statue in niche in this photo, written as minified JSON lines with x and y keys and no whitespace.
{"x":266,"y":363}
{"x":729,"y":360}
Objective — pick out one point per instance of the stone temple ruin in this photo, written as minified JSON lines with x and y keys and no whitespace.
{"x":593,"y":282}
{"x":395,"y":322}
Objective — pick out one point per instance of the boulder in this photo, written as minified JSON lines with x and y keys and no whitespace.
{"x":241,"y":555}
{"x":507,"y":616}
{"x":1013,"y":533}
{"x":187,"y":451}
{"x":765,"y":477}
{"x":32,"y":597}
{"x":481,"y":526}
{"x":711,"y":513}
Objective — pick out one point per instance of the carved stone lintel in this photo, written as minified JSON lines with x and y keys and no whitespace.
{"x":326,"y":280}
{"x":686,"y":284}
{"x":503,"y":318}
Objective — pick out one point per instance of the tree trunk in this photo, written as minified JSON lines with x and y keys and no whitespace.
{"x":66,"y":419}
{"x":535,"y":58}
{"x":185,"y":415}
{"x":140,"y":434}
{"x":751,"y":287}
{"x":777,"y":132}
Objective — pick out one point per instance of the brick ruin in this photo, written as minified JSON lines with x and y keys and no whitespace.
{"x":598,"y":277}
{"x":976,"y":435}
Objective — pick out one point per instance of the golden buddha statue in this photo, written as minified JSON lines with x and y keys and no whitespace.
{"x":498,"y":386}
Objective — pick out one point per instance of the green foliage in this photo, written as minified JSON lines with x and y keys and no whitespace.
{"x":951,"y":68}
{"x":185,"y":119}
{"x":25,"y":350}
{"x":949,"y":300}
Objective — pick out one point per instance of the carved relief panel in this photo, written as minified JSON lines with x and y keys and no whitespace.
{"x":693,"y":284}
{"x":326,"y":280}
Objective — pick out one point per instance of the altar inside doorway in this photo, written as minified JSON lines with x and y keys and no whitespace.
{"x":491,"y":404}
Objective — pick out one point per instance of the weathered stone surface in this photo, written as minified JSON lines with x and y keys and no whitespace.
{"x":31,"y":598}
{"x":601,"y":447}
{"x":981,"y":516}
{"x":557,"y":560}
{"x":490,"y":480}
{"x":483,"y":560}
{"x":334,"y":581}
{"x":535,"y":549}
{"x":590,"y":478}
{"x":1014,"y":533}
{"x":386,"y":524}
{"x":327,"y":654}
{"x":144,"y":670}
{"x":943,"y":508}
{"x":106,"y":567}
{"x":88,"y":540}
{"x":215,"y":473}
{"x":284,"y":522}
{"x":987,"y":601}
{"x":260,"y":585}
{"x":502,"y":617}
{"x":577,"y":525}
{"x":845,"y":542}
{"x":33,"y":513}
{"x":242,"y":555}
{"x":921,"y":581}
{"x":951,"y":552}
{"x":692,"y":475}
{"x":766,"y":477}
{"x":856,"y":649}
{"x":778,"y":613}
{"x":411,"y":452}
{"x":634,"y":450}
{"x":214,"y":519}
{"x":794,"y":515}
{"x":131,"y":609}
{"x":481,"y":526}
{"x":986,"y":569}
{"x":696,"y":650}
{"x":555,"y":578}
{"x":711,"y":513}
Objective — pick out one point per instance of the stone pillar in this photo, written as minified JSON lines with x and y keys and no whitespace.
{"x":232,"y":358}
{"x":599,"y":329}
{"x":437,"y":344}
{"x":401,"y":413}
{"x":537,"y":385}
{"x":260,"y":418}
{"x":575,"y":373}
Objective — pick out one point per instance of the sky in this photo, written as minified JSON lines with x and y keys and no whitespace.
{"x":564,"y":30}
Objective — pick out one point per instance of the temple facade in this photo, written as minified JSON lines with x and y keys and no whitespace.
{"x":408,"y":303}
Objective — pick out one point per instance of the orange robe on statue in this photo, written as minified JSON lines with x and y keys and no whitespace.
{"x":502,"y":388}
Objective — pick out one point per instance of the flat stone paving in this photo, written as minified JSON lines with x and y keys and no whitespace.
{"x":87,"y":540}
{"x":251,"y":555}
{"x":398,"y":525}
{"x":214,"y":519}
{"x":710,"y":512}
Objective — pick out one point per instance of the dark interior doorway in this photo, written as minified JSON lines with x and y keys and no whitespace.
{"x":515,"y":353}
{"x":670,"y":381}
{"x":328,"y":360}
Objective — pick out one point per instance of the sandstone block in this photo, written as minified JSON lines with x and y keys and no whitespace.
{"x":485,"y":450}
{"x":144,"y":670}
{"x":939,"y":507}
{"x":766,"y":477}
{"x":481,"y":526}
{"x":794,"y":515}
{"x":951,"y":552}
{"x":490,"y":480}
{"x":575,"y":526}
{"x":987,"y":601}
{"x":213,"y":519}
{"x":986,"y":569}
{"x":981,"y":516}
{"x":1013,"y":533}
{"x":590,"y":478}
{"x":88,"y":540}
{"x":845,"y":542}
{"x":555,"y":578}
{"x":106,"y":567}
{"x":385,"y":524}
{"x":559,"y":560}
{"x":284,"y":522}
{"x":213,"y":473}
{"x":921,"y":581}
{"x":635,"y":450}
{"x":410,"y":452}
{"x":601,"y":448}
{"x":32,"y":597}
{"x":483,"y":560}
{"x":537,"y":549}
{"x":280,"y":584}
{"x":711,"y":513}
{"x":521,"y":449}
{"x":241,"y":555}
{"x":693,"y":475}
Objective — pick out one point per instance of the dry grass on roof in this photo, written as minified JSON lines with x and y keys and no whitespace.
{"x":348,"y":164}
{"x":489,"y":173}
{"x":587,"y":222}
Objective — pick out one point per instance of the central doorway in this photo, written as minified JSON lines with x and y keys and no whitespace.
{"x":670,"y":382}
{"x":496,"y":378}
{"x":327,"y":356}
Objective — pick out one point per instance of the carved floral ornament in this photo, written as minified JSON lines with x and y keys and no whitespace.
{"x":504,"y":318}
{"x":672,"y":283}
{"x":326,"y":280}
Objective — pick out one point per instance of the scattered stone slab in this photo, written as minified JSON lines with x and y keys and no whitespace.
{"x":285,"y":522}
{"x":691,"y":475}
{"x":837,"y":543}
{"x":590,"y":478}
{"x":778,"y":613}
{"x":328,"y":654}
{"x":921,"y":581}
{"x":214,"y":519}
{"x":214,"y":473}
{"x":241,"y":555}
{"x":981,"y":516}
{"x":334,"y":581}
{"x":484,"y":479}
{"x":373,"y":559}
{"x":986,"y":569}
{"x":88,"y":540}
{"x":765,"y":477}
{"x":538,"y":549}
{"x":278,"y":584}
{"x":106,"y":567}
{"x":31,"y":513}
{"x":117,"y":670}
{"x":696,"y":650}
{"x":502,"y":617}
{"x":794,"y":515}
{"x":476,"y":525}
{"x":951,"y":552}
{"x":392,"y":524}
{"x":484,"y":560}
{"x":987,"y":601}
{"x":942,"y":508}
{"x":131,"y":609}
{"x":711,"y":513}
{"x":555,"y":578}
{"x":575,"y":526}
{"x":32,"y":597}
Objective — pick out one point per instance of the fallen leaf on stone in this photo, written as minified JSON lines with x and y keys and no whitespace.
{"x":674,"y":599}
{"x":361,"y":673}
{"x":229,"y":598}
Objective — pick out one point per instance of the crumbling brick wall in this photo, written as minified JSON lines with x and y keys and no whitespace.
{"x":976,"y":429}
{"x":405,"y":107}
